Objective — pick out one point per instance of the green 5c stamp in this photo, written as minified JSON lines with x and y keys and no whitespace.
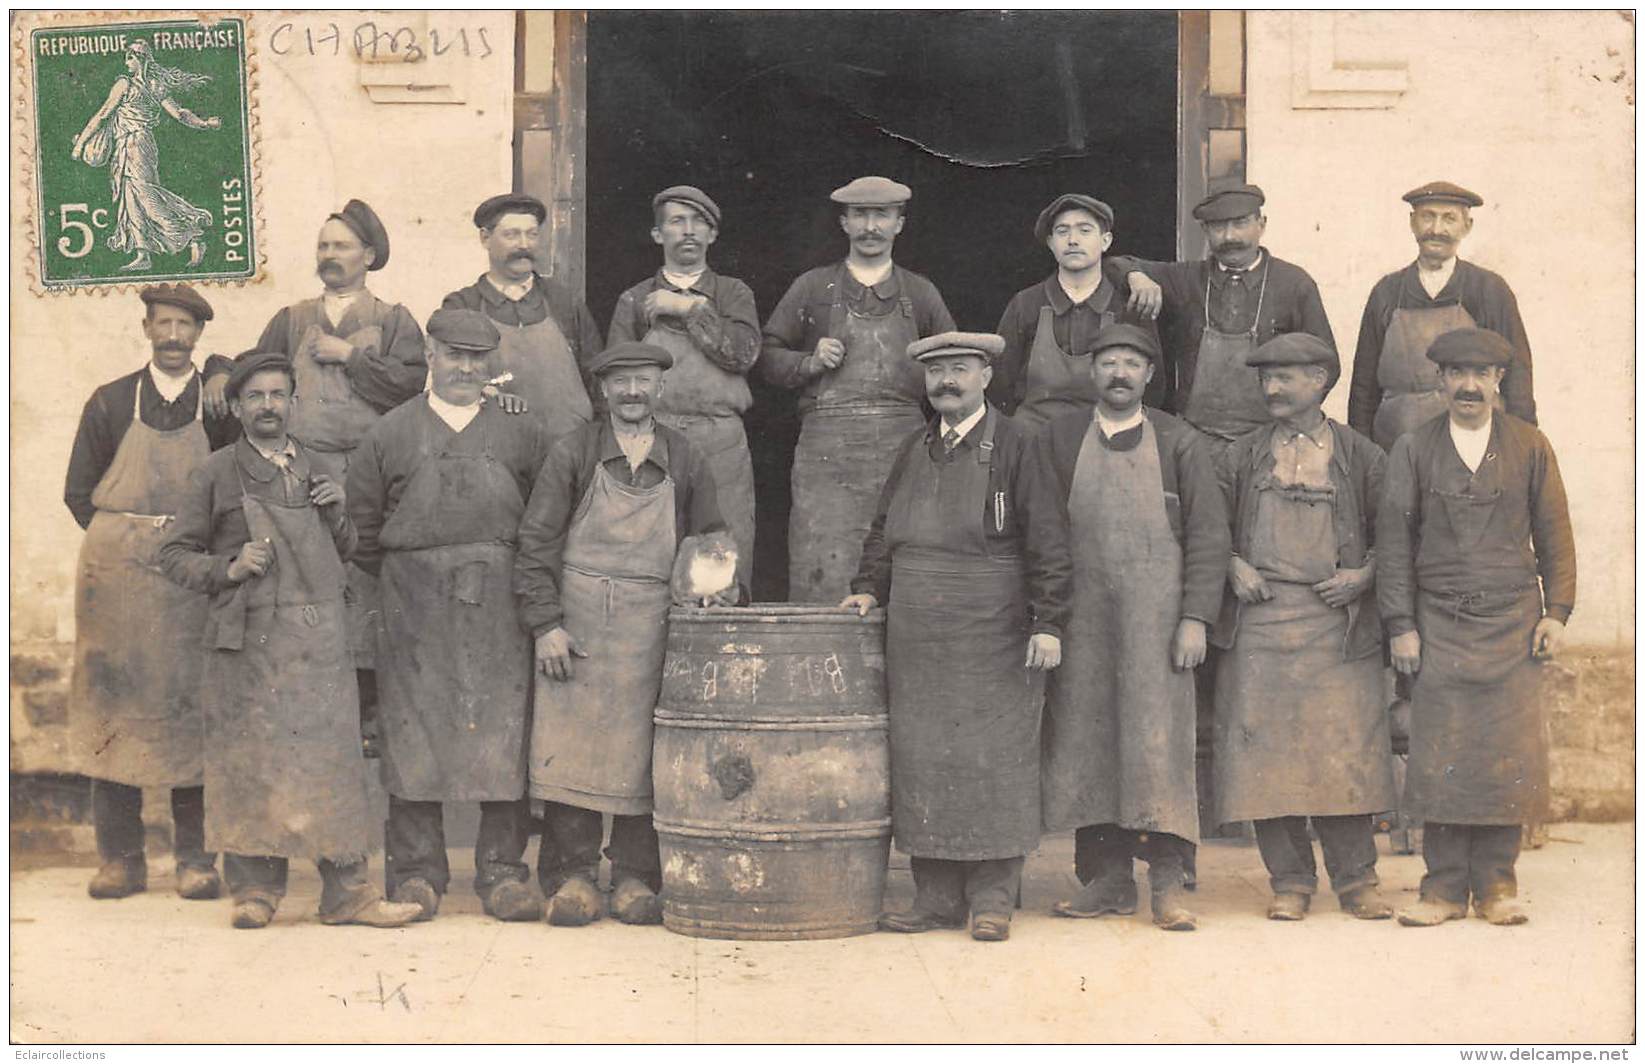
{"x":144,"y":150}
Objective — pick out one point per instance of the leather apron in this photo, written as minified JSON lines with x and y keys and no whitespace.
{"x":1058,"y":381}
{"x":454,"y":671}
{"x":591,"y":734}
{"x":1225,"y":401}
{"x":285,"y":776}
{"x":964,"y":712}
{"x":705,"y":403}
{"x":862,"y":414}
{"x":1411,"y":393}
{"x":134,"y":711}
{"x":1118,"y":738}
{"x":545,"y":374}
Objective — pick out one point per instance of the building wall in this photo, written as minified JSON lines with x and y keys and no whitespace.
{"x":1532,"y":110}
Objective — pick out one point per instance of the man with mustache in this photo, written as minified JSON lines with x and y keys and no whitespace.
{"x":1476,"y":578}
{"x":613,"y":502}
{"x":548,"y":335}
{"x":708,"y":322}
{"x":975,"y":579}
{"x":134,"y":711}
{"x":1300,"y":728}
{"x":840,"y":336}
{"x":1049,"y":327}
{"x":1395,"y":388}
{"x":1148,"y":532}
{"x":436,"y":492}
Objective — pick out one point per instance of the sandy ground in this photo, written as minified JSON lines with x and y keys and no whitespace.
{"x":154,"y":968}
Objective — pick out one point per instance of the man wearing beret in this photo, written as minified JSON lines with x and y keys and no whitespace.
{"x":975,"y":580}
{"x":1049,"y":327}
{"x":1300,"y":728}
{"x":1395,"y":388}
{"x":707,"y":321}
{"x":548,"y":335}
{"x":1148,"y":533}
{"x":597,"y":545}
{"x":436,"y":493}
{"x":840,"y":336}
{"x":134,"y":713}
{"x":1216,"y":311}
{"x":1476,"y":577}
{"x":263,"y":530}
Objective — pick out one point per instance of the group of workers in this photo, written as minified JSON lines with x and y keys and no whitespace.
{"x":1125,"y":504}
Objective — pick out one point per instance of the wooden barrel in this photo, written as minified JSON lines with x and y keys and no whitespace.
{"x":772,"y":772}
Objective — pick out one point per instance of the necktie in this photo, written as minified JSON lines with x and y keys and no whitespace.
{"x":950,"y":440}
{"x":282,"y":462}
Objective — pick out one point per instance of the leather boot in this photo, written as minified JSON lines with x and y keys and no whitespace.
{"x":575,"y":904}
{"x":1171,"y":912}
{"x":421,"y":893}
{"x":199,"y":884}
{"x":120,"y":878}
{"x":513,"y":901}
{"x":1431,"y":912}
{"x":1101,"y":897}
{"x":1502,"y":910}
{"x":1289,"y":905}
{"x":252,"y":914}
{"x":1366,"y":903}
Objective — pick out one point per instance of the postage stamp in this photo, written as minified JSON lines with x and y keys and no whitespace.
{"x":143,"y":135}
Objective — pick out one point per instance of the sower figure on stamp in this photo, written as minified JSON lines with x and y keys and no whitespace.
{"x":597,"y":548}
{"x":1301,"y":732}
{"x":976,"y":581}
{"x":1148,"y":533}
{"x":436,"y":492}
{"x":840,"y":336}
{"x":134,"y":711}
{"x":265,"y":532}
{"x":1476,"y":577}
{"x":708,"y":322}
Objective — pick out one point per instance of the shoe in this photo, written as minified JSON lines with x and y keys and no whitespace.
{"x":1431,"y":912}
{"x":1098,"y":898}
{"x":1170,"y":914}
{"x":1289,"y":905}
{"x":913,"y":921}
{"x":421,"y":893}
{"x":378,"y":912}
{"x":199,"y":884}
{"x":1502,"y":910}
{"x":575,"y":904}
{"x":252,"y":914}
{"x":514,"y":901}
{"x":1366,"y":903}
{"x":120,"y":878}
{"x":991,"y":927}
{"x":633,"y":902}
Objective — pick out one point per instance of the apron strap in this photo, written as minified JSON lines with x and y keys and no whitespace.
{"x":985,"y":446}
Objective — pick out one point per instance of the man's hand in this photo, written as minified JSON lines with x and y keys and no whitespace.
{"x":1147,"y":298}
{"x":507,"y":402}
{"x":329,"y":350}
{"x":555,"y":649}
{"x":1188,"y":648}
{"x":861,"y":603}
{"x":253,"y":560}
{"x":1406,"y":650}
{"x":215,"y":395}
{"x":1248,"y":584}
{"x":1346,"y":586}
{"x":1547,"y":637}
{"x":670,"y":304}
{"x":1044,"y":652}
{"x":830,"y":353}
{"x":324,"y":491}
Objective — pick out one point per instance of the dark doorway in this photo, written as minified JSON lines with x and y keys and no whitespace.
{"x":986,"y":115}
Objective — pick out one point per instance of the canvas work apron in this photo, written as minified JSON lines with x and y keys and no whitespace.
{"x":706,"y":403}
{"x":454,"y":672}
{"x":591,"y":734}
{"x":1226,"y":400}
{"x":134,"y":710}
{"x":964,"y":711}
{"x":863,"y":413}
{"x":545,"y":374}
{"x":1410,"y":386}
{"x":285,"y":776}
{"x":1298,"y":730}
{"x":1118,"y":739}
{"x":1058,"y":381}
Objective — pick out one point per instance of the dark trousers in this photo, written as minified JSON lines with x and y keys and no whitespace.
{"x":1469,"y":858}
{"x":952,"y":889}
{"x":414,"y":844}
{"x":342,"y":886}
{"x":117,"y":813}
{"x":1105,"y":851}
{"x":1350,"y":852}
{"x":571,"y":847}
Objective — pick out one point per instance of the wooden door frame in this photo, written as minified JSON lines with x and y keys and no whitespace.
{"x":551,"y":141}
{"x":1206,"y":116}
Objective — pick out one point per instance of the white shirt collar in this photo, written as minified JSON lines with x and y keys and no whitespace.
{"x":965,"y":426}
{"x":458,"y":417}
{"x":336,"y":304}
{"x":1079,"y":295}
{"x":683,"y":281}
{"x":1111,"y":428}
{"x":870,"y":278}
{"x":1254,"y":263}
{"x":1471,"y":443}
{"x":170,"y":387}
{"x":1434,"y":281}
{"x":280,"y":457}
{"x":511,"y":290}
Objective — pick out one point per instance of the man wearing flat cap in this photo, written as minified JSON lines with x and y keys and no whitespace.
{"x":597,"y":546}
{"x":134,"y":711}
{"x":1216,"y":311}
{"x":263,"y":530}
{"x":548,"y":335}
{"x":1301,"y":732}
{"x":1049,"y":327}
{"x":975,"y":581}
{"x":708,"y":322}
{"x":1395,"y":387}
{"x":1476,"y":577}
{"x":840,"y":337}
{"x":1148,"y":533}
{"x":436,"y":492}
